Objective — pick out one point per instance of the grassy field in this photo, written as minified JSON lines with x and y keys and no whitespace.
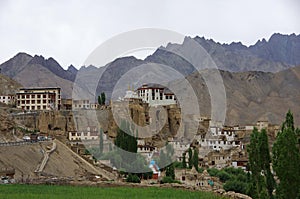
{"x":65,"y":192}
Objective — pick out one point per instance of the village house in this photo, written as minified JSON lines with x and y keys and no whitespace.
{"x":66,"y":104}
{"x":219,"y":159}
{"x":46,"y":98}
{"x":90,"y":133}
{"x":7,"y":99}
{"x":80,"y":104}
{"x":193,"y":178}
{"x":145,"y":149}
{"x":180,"y":147}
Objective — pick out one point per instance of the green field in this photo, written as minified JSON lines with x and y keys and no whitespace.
{"x":64,"y":192}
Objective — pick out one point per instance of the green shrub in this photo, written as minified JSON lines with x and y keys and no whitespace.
{"x":242,"y":177}
{"x":224,"y":176}
{"x":234,"y":171}
{"x":213,"y":171}
{"x":200,"y":170}
{"x":133,"y":178}
{"x":178,"y":165}
{"x":168,"y":179}
{"x":236,"y":186}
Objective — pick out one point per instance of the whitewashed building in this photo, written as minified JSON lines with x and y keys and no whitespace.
{"x":180,"y":146}
{"x":46,"y":98}
{"x":90,"y":133}
{"x":156,"y":95}
{"x":80,"y":104}
{"x":144,"y":149}
{"x":219,"y":138}
{"x":7,"y":99}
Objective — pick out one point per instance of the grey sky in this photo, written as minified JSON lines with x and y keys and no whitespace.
{"x":70,"y":30}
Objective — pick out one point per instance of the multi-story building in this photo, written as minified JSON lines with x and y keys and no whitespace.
{"x":48,"y":98}
{"x":156,"y":95}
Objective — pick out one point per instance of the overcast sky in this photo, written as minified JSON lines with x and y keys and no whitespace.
{"x":69,"y":31}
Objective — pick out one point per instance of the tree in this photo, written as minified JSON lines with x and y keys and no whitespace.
{"x":183,"y":161}
{"x":99,"y":100}
{"x":190,"y":158}
{"x":265,"y":160}
{"x":286,"y":159}
{"x":170,"y":171}
{"x":125,"y":139}
{"x":101,"y":142}
{"x":103,"y":98}
{"x":133,"y":178}
{"x":259,"y":162}
{"x":196,"y":159}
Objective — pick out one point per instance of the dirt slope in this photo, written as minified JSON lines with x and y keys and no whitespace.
{"x":26,"y":158}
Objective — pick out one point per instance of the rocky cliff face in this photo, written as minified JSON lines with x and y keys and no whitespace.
{"x":7,"y":125}
{"x":8,"y":86}
{"x":279,"y":48}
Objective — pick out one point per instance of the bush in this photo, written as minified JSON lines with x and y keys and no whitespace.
{"x":236,"y":186}
{"x":224,"y":176}
{"x":234,"y":171}
{"x":168,"y":179}
{"x":213,"y":171}
{"x":200,"y":170}
{"x":133,"y":178}
{"x":242,"y":177}
{"x":178,"y":165}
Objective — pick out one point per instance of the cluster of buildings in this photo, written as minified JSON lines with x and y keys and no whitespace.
{"x":49,"y":98}
{"x":221,"y":145}
{"x":45,"y":98}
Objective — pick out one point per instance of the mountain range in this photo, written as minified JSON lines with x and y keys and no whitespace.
{"x":261,"y":80}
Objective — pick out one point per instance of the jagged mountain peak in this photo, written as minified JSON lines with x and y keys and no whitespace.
{"x":22,"y":54}
{"x":72,"y":69}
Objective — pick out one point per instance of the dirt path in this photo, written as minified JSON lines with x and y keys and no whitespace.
{"x":46,"y":158}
